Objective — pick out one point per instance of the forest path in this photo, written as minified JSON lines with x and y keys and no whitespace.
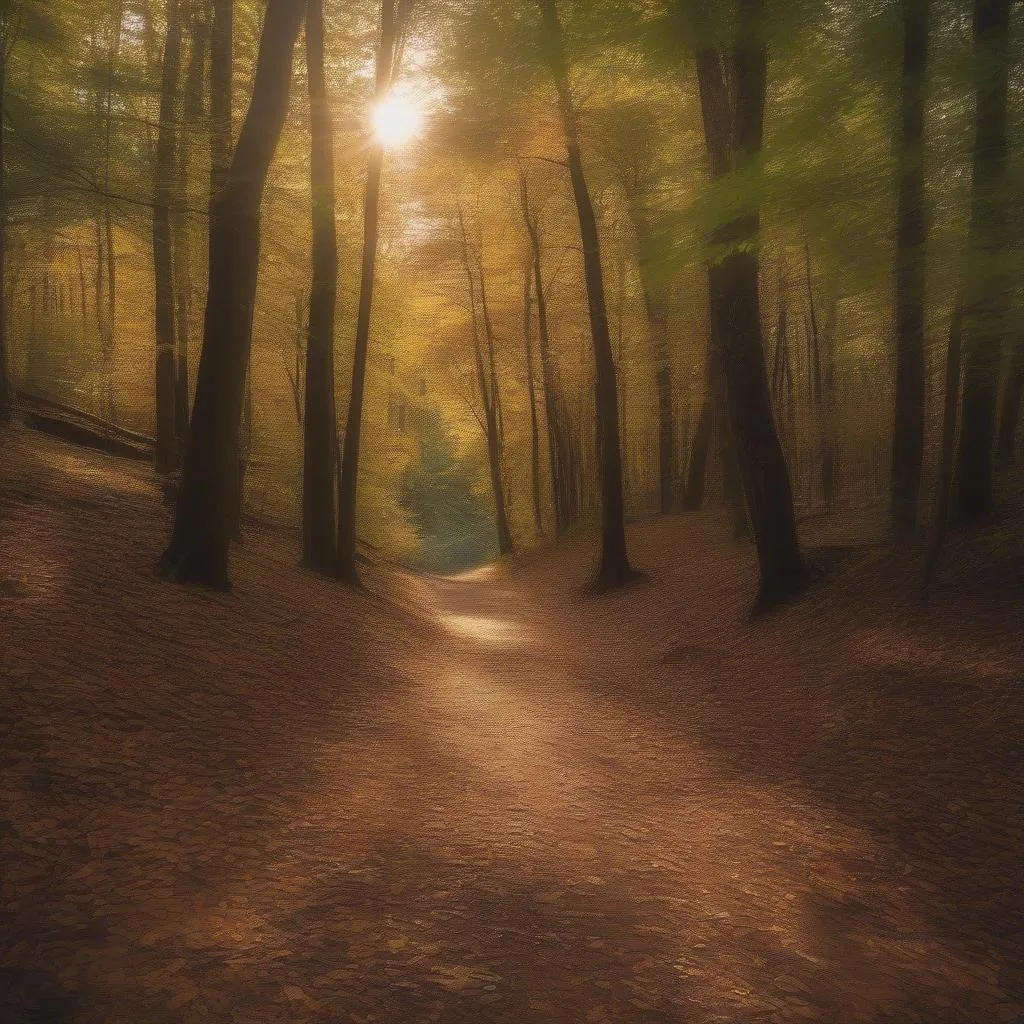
{"x":489,"y":798}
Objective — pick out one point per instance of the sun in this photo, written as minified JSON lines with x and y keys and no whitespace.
{"x":396,"y":120}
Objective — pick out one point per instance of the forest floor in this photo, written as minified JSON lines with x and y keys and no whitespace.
{"x":495,"y":798}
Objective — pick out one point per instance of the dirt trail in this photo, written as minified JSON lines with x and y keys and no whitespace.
{"x":487,"y":799}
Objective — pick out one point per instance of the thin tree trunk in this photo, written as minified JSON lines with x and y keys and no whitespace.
{"x":614,"y":566}
{"x":987,"y":287}
{"x":942,"y":493}
{"x":319,"y":536}
{"x":6,"y":393}
{"x":207,"y":498}
{"x":163,"y":277}
{"x":111,"y":319}
{"x":347,"y":487}
{"x":696,"y":474}
{"x":1013,"y":392}
{"x":531,"y":387}
{"x":560,"y":459}
{"x":733,"y":142}
{"x":192,"y":112}
{"x":911,"y":237}
{"x":488,"y":396}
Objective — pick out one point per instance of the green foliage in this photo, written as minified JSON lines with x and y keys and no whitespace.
{"x":438,"y":491}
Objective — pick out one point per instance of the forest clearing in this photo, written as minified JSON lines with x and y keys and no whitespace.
{"x":490,"y":798}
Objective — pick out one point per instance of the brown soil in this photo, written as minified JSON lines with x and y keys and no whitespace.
{"x":494,"y":798}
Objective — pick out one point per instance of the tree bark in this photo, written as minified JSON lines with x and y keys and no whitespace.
{"x":221,"y":93}
{"x":163,"y":278}
{"x":192,"y":112}
{"x":911,"y":237}
{"x":110,"y":323}
{"x":1013,"y":392}
{"x":696,"y":473}
{"x":488,"y":394}
{"x":561,"y":461}
{"x":733,"y":136}
{"x":987,"y":288}
{"x":198,"y":550}
{"x":614,"y":568}
{"x":6,"y":394}
{"x":531,"y":388}
{"x":947,"y":456}
{"x":319,"y":537}
{"x":347,"y":487}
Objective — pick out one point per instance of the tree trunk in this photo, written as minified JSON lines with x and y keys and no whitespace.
{"x":6,"y":394}
{"x":192,"y":112}
{"x":488,"y":395}
{"x":163,"y":279}
{"x":614,"y":567}
{"x":531,"y":388}
{"x":198,"y":550}
{"x":911,"y":237}
{"x":734,"y":140}
{"x":110,"y":324}
{"x":696,"y":474}
{"x":560,"y":457}
{"x":987,"y":287}
{"x":319,"y":536}
{"x":347,"y":487}
{"x":947,"y":455}
{"x":1013,"y":391}
{"x":221,"y":93}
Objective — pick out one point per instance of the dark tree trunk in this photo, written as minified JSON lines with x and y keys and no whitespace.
{"x":110,"y":322}
{"x":696,"y":473}
{"x":192,"y":112}
{"x":5,"y":380}
{"x":163,"y":278}
{"x":947,"y":456}
{"x":1013,"y":392}
{"x":319,"y":537}
{"x":987,"y":291}
{"x":733,"y":136}
{"x":347,"y":487}
{"x":207,"y":498}
{"x":531,"y":388}
{"x":561,"y":460}
{"x":614,"y":567}
{"x":347,"y":491}
{"x":221,"y":93}
{"x":657,"y":320}
{"x":488,"y":393}
{"x":911,"y":236}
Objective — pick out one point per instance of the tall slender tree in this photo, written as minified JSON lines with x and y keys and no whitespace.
{"x":911,"y":236}
{"x":531,"y":392}
{"x":319,"y":536}
{"x":163,"y":274}
{"x":207,"y":498}
{"x":987,"y":288}
{"x":191,"y":117}
{"x":614,"y":568}
{"x":393,"y":21}
{"x":732,"y":86}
